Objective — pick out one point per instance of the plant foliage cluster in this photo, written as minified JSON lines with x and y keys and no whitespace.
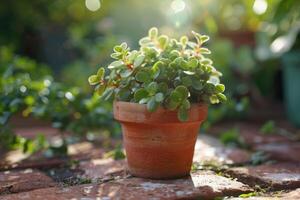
{"x":163,"y":72}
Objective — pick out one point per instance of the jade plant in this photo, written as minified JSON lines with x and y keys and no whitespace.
{"x":163,"y":72}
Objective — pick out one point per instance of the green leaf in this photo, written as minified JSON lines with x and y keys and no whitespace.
{"x":187,"y":81}
{"x":214,"y":99}
{"x":124,"y":73}
{"x":144,"y":100}
{"x":222,"y":97}
{"x":192,"y":63}
{"x":107,"y":94}
{"x":140,"y":94}
{"x":159,"y":97}
{"x":94,"y":79}
{"x":153,"y":32}
{"x":115,"y":64}
{"x":220,"y":88}
{"x":152,"y":105}
{"x":206,"y":61}
{"x":186,"y":104}
{"x":142,"y":76}
{"x":204,"y":38}
{"x":152,"y":88}
{"x":184,"y":40}
{"x":175,"y":96}
{"x":100,"y":89}
{"x":138,"y":60}
{"x":124,"y":45}
{"x":183,"y":91}
{"x":144,"y":41}
{"x":197,"y":36}
{"x":183,"y":114}
{"x":205,"y":51}
{"x":163,"y":41}
{"x":118,"y":48}
{"x":163,"y":88}
{"x":101,"y":73}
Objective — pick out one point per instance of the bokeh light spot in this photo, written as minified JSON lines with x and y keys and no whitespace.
{"x":93,"y":5}
{"x":178,"y":5}
{"x":260,"y":6}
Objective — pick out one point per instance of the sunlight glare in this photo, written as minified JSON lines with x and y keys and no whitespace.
{"x":92,"y":5}
{"x":260,"y":6}
{"x":178,"y":5}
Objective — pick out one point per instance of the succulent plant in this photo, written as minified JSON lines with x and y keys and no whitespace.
{"x":163,"y":72}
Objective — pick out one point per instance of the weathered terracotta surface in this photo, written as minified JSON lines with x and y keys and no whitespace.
{"x":203,"y":184}
{"x":24,"y":180}
{"x":271,"y":176}
{"x":157,"y":144}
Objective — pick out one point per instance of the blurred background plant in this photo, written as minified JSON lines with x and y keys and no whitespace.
{"x":49,"y":48}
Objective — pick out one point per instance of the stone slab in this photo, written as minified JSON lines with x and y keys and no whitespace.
{"x":24,"y":180}
{"x":202,"y":184}
{"x":271,"y":176}
{"x":210,"y":150}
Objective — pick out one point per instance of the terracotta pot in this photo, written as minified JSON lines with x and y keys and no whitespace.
{"x":157,"y":144}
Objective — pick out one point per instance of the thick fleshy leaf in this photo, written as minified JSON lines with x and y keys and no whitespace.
{"x":186,"y":104}
{"x":138,"y":60}
{"x":144,"y":41}
{"x":222,"y":97}
{"x":124,"y":73}
{"x":171,"y":104}
{"x":152,"y":88}
{"x":175,"y":96}
{"x":153,"y":32}
{"x":187,"y":81}
{"x":220,"y":88}
{"x":184,"y":40}
{"x":163,"y":88}
{"x":183,"y":114}
{"x":192,"y":63}
{"x":101,"y":73}
{"x":204,"y":51}
{"x":140,"y":94}
{"x":152,"y":105}
{"x":163,"y":41}
{"x":214,"y":99}
{"x":115,"y":64}
{"x":183,"y":91}
{"x":159,"y":97}
{"x":94,"y":79}
{"x":142,"y":76}
{"x":204,"y":38}
{"x":144,"y":100}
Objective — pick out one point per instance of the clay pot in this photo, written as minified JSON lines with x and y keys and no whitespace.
{"x":157,"y":144}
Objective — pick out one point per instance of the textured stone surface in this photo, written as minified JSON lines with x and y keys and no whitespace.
{"x":281,"y":151}
{"x":19,"y":181}
{"x":289,"y":195}
{"x":203,"y":184}
{"x":272,"y":176}
{"x":99,"y":168}
{"x":209,"y":150}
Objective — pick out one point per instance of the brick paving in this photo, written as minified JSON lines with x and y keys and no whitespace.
{"x":221,"y":171}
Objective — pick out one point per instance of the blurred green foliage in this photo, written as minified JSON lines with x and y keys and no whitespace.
{"x":75,"y":41}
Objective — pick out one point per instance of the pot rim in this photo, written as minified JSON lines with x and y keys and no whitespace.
{"x":138,"y":113}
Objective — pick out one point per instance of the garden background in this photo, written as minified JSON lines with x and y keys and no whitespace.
{"x":48,"y":49}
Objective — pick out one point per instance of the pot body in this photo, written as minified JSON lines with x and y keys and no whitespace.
{"x":157,"y":144}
